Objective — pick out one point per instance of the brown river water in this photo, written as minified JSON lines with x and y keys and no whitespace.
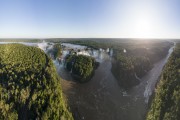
{"x":102,"y":99}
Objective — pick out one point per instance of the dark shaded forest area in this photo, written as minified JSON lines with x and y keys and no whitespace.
{"x":166,"y":104}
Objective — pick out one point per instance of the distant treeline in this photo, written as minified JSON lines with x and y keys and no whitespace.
{"x":20,"y":40}
{"x":166,"y":103}
{"x":29,"y":85}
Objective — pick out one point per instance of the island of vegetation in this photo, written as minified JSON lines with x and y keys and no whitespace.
{"x":29,"y":85}
{"x":56,"y":51}
{"x":82,"y":67}
{"x":166,"y":103}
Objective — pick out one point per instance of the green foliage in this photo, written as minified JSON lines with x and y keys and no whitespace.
{"x":57,"y":50}
{"x":82,"y":66}
{"x":127,"y":69}
{"x":166,"y":104}
{"x":29,"y":85}
{"x":69,"y":61}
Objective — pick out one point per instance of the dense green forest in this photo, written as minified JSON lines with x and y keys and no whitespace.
{"x":128,"y":67}
{"x":82,"y":67}
{"x":166,"y":103}
{"x":29,"y":85}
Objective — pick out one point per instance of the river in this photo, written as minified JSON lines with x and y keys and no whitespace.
{"x":101,"y":98}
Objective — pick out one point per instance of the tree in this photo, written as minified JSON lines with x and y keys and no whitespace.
{"x":82,"y":66}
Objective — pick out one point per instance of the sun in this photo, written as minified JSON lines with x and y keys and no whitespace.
{"x":141,"y":22}
{"x":143,"y":26}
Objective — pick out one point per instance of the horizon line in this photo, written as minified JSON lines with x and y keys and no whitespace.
{"x":82,"y":38}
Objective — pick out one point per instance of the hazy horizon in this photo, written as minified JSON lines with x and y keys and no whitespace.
{"x":88,"y":38}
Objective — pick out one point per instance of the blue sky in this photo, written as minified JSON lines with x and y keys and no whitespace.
{"x":90,"y":18}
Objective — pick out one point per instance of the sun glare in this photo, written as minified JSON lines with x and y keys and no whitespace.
{"x":142,"y":22}
{"x":143,"y":26}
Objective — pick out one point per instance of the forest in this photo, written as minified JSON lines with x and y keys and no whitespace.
{"x":82,"y":67}
{"x":166,"y":103}
{"x":29,"y":85}
{"x":130,"y":66}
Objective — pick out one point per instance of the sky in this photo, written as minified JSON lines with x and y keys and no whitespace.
{"x":89,"y":18}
